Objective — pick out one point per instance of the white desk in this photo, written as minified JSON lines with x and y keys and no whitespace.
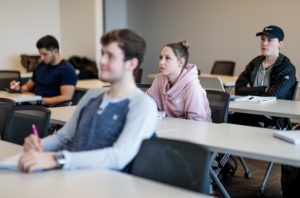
{"x":86,"y":183}
{"x":228,"y":81}
{"x":279,"y":108}
{"x":20,"y":97}
{"x":83,"y":85}
{"x":252,"y":142}
{"x":60,"y":115}
{"x":81,"y":183}
{"x":8,"y":149}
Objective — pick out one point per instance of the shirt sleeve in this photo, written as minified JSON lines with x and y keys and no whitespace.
{"x":68,"y":76}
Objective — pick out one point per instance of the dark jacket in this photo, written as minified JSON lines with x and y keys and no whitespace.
{"x":282,"y":79}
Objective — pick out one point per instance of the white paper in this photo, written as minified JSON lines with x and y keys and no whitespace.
{"x":10,"y":163}
{"x":256,"y":99}
{"x":289,"y":136}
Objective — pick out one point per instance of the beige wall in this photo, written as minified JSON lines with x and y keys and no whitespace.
{"x":21,"y":24}
{"x":216,"y":29}
{"x":80,"y":27}
{"x":77,"y":24}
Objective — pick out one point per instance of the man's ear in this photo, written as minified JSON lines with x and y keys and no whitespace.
{"x":132,"y":63}
{"x":55,"y":50}
{"x":280,"y":44}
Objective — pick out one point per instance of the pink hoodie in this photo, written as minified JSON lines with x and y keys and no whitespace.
{"x":185,"y":99}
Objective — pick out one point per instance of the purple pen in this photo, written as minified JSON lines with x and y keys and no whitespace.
{"x":35,"y":132}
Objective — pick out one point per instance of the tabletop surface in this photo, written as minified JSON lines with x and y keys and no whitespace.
{"x":280,"y":108}
{"x":60,"y":115}
{"x":20,"y":97}
{"x":89,"y":84}
{"x":81,"y":183}
{"x":226,"y":80}
{"x":252,"y":142}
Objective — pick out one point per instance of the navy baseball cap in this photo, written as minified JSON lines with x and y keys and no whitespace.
{"x":272,"y":31}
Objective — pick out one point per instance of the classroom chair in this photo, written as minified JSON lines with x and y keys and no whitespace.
{"x":143,"y":87}
{"x":20,"y":120}
{"x":223,"y":68}
{"x":5,"y":105}
{"x":176,"y":163}
{"x":219,"y":105}
{"x":138,"y":75}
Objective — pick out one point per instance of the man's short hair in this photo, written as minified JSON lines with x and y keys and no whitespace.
{"x":48,"y":42}
{"x":133,"y":45}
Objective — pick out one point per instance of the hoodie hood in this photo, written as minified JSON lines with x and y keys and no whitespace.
{"x":188,"y":75}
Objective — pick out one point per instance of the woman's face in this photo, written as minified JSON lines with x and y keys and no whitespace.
{"x":168,"y":62}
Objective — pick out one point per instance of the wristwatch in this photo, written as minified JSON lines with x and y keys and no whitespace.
{"x":60,"y":159}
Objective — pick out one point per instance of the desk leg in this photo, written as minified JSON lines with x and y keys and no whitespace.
{"x":218,"y":183}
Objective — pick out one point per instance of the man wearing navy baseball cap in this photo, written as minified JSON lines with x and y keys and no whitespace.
{"x":272,"y":31}
{"x":269,"y":74}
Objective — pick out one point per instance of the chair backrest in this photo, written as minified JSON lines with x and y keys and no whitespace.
{"x":211,"y":83}
{"x":143,"y":87}
{"x":20,"y":120}
{"x":180,"y":164}
{"x":138,"y":75}
{"x":219,"y":104}
{"x":6,"y":76}
{"x":5,"y":105}
{"x":77,"y":96}
{"x":286,"y":123}
{"x":223,"y":68}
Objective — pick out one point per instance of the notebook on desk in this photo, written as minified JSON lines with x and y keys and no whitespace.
{"x":256,"y":99}
{"x":10,"y":164}
{"x":211,"y":83}
{"x":289,"y":136}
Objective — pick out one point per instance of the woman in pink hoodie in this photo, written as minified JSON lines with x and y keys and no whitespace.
{"x":176,"y":90}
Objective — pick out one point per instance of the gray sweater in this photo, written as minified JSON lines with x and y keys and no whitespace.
{"x":140,"y":124}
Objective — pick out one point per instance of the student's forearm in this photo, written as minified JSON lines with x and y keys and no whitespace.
{"x":25,"y":88}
